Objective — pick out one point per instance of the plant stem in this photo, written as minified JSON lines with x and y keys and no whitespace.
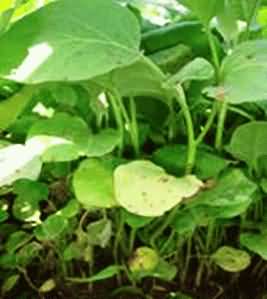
{"x":119,"y":121}
{"x":191,"y":154}
{"x":220,"y":126}
{"x":208,"y":124}
{"x":214,"y":53}
{"x":132,"y":240}
{"x":134,"y":127}
{"x":164,"y":225}
{"x":187,"y":260}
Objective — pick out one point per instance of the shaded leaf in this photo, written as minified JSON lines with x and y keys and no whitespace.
{"x":249,"y":143}
{"x":79,"y":42}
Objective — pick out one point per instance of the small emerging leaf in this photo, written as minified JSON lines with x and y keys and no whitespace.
{"x":231,"y":259}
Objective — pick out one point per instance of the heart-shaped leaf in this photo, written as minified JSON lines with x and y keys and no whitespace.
{"x":66,"y":42}
{"x":249,"y":143}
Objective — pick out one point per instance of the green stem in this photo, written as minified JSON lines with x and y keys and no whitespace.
{"x":132,"y":240}
{"x":220,"y":126}
{"x":191,"y":154}
{"x":241,"y":112}
{"x":134,"y":127}
{"x":163,"y":226}
{"x":208,"y":124}
{"x":214,"y":53}
{"x":187,"y":260}
{"x":119,"y":121}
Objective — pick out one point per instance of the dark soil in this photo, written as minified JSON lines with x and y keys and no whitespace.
{"x":224,"y":286}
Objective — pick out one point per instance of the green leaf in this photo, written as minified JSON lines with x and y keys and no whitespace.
{"x":230,"y":196}
{"x":198,"y":69}
{"x":17,"y":240}
{"x":47,"y":286}
{"x":70,"y":210}
{"x":10,"y":283}
{"x":60,"y":138}
{"x":28,"y":253}
{"x":106,"y":273}
{"x":231,"y":259}
{"x":173,"y":158}
{"x":145,"y":189}
{"x":144,"y":260}
{"x":227,"y":21}
{"x":205,"y":10}
{"x":242,"y":74}
{"x":13,"y":106}
{"x":29,"y":195}
{"x":256,"y":243}
{"x":93,"y":184}
{"x":99,"y":232}
{"x":51,"y":229}
{"x":79,"y":42}
{"x":135,"y":221}
{"x":142,"y":78}
{"x":249,"y":143}
{"x":17,"y":162}
{"x":102,"y":143}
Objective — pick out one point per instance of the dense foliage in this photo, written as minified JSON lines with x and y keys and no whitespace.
{"x":131,"y":150}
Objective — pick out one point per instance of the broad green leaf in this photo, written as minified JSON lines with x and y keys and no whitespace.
{"x":184,"y":222}
{"x":102,"y":143}
{"x":231,"y":259}
{"x":51,"y":229}
{"x":93,"y":184}
{"x":170,"y":60}
{"x":243,"y":72}
{"x":106,"y":273}
{"x":99,"y":232}
{"x":12,"y":107}
{"x":29,"y":195}
{"x":28,"y":253}
{"x":205,"y":10}
{"x":173,"y":158}
{"x":142,"y":78}
{"x":135,"y":221}
{"x":70,"y":210}
{"x":198,"y":69}
{"x":60,"y":138}
{"x":17,"y":162}
{"x":9,"y":283}
{"x":230,"y":196}
{"x":145,"y":189}
{"x":249,"y":143}
{"x":17,"y":240}
{"x":255,"y":242}
{"x":73,"y":251}
{"x":164,"y":271}
{"x":79,"y":42}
